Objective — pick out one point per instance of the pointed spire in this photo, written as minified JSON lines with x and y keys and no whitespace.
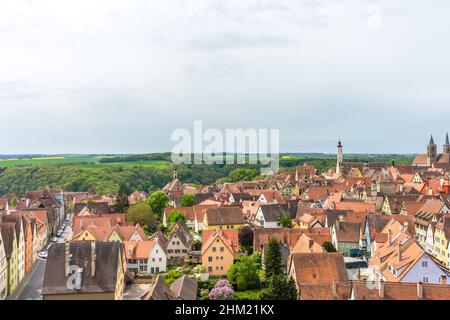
{"x":339,"y":143}
{"x":446,"y":139}
{"x":431,"y":140}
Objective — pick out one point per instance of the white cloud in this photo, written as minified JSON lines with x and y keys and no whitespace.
{"x":68,"y":68}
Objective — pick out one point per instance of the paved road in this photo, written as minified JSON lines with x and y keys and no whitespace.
{"x":30,"y":287}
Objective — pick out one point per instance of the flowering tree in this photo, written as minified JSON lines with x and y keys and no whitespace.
{"x":222,"y":291}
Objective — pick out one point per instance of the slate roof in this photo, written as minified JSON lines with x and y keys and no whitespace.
{"x":224,"y":216}
{"x":106,"y":266}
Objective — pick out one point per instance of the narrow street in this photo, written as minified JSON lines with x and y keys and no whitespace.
{"x":31,"y":286}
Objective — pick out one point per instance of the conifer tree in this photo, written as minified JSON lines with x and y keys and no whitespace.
{"x":272,"y":259}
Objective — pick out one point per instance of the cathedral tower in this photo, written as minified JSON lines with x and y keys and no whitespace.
{"x":446,"y":148}
{"x":431,"y":153}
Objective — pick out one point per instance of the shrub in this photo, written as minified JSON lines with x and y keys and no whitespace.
{"x":241,"y":283}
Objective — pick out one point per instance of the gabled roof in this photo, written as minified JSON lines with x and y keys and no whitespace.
{"x":184,"y":288}
{"x":307,"y":245}
{"x":224,"y":216}
{"x":347,"y":231}
{"x":139,"y":249}
{"x":318,"y":267}
{"x":106,"y":266}
{"x":157,"y":291}
{"x":95,"y":208}
{"x":8,"y":233}
{"x":229,"y":237}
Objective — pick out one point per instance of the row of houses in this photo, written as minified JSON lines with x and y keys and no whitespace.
{"x":24,"y":231}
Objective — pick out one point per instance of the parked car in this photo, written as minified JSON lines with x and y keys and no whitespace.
{"x":59,"y":233}
{"x":43,"y":254}
{"x":54,"y":239}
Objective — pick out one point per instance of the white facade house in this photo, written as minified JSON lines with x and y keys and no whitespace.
{"x":266,"y":219}
{"x":178,"y":247}
{"x":429,"y":243}
{"x":21,"y":252}
{"x":145,"y":257}
{"x":3,"y":270}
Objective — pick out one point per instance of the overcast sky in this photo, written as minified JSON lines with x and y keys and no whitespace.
{"x":110,"y":76}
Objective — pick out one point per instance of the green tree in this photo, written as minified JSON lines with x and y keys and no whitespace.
{"x":158,"y":201}
{"x":245,"y":273}
{"x":292,"y":289}
{"x":174,"y":217}
{"x":280,"y":288}
{"x":328,"y":246}
{"x":286,"y":221}
{"x":241,"y":174}
{"x":141,"y":213}
{"x":14,"y":202}
{"x":187,"y":200}
{"x":121,"y":204}
{"x":272,"y":258}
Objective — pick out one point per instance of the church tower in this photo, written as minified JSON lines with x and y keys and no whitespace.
{"x":431,"y":152}
{"x":339,"y":157}
{"x":446,"y":148}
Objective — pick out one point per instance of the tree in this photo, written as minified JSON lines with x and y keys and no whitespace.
{"x":141,"y":213}
{"x":14,"y":202}
{"x":174,"y":217}
{"x":280,"y":288}
{"x":121,"y":204}
{"x":246,"y":236}
{"x":328,"y":246}
{"x":187,"y":200}
{"x":292,"y":289}
{"x":242,"y":174}
{"x":158,"y":201}
{"x":272,"y":258}
{"x":245,"y":273}
{"x":286,"y":221}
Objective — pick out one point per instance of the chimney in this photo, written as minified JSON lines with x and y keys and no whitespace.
{"x":389,"y":237}
{"x":399,"y":253}
{"x":337,"y":224}
{"x":93,"y":258}
{"x":381,"y":289}
{"x":419,"y":290}
{"x":67,"y":258}
{"x":334,"y":289}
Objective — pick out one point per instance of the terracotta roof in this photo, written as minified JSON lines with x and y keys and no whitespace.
{"x":307,"y":245}
{"x":325,"y":291}
{"x":229,"y":237}
{"x":109,"y":220}
{"x":359,"y":206}
{"x":399,"y":291}
{"x":139,"y":249}
{"x":318,"y":267}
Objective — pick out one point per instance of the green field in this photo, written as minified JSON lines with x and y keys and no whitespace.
{"x":78,"y":161}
